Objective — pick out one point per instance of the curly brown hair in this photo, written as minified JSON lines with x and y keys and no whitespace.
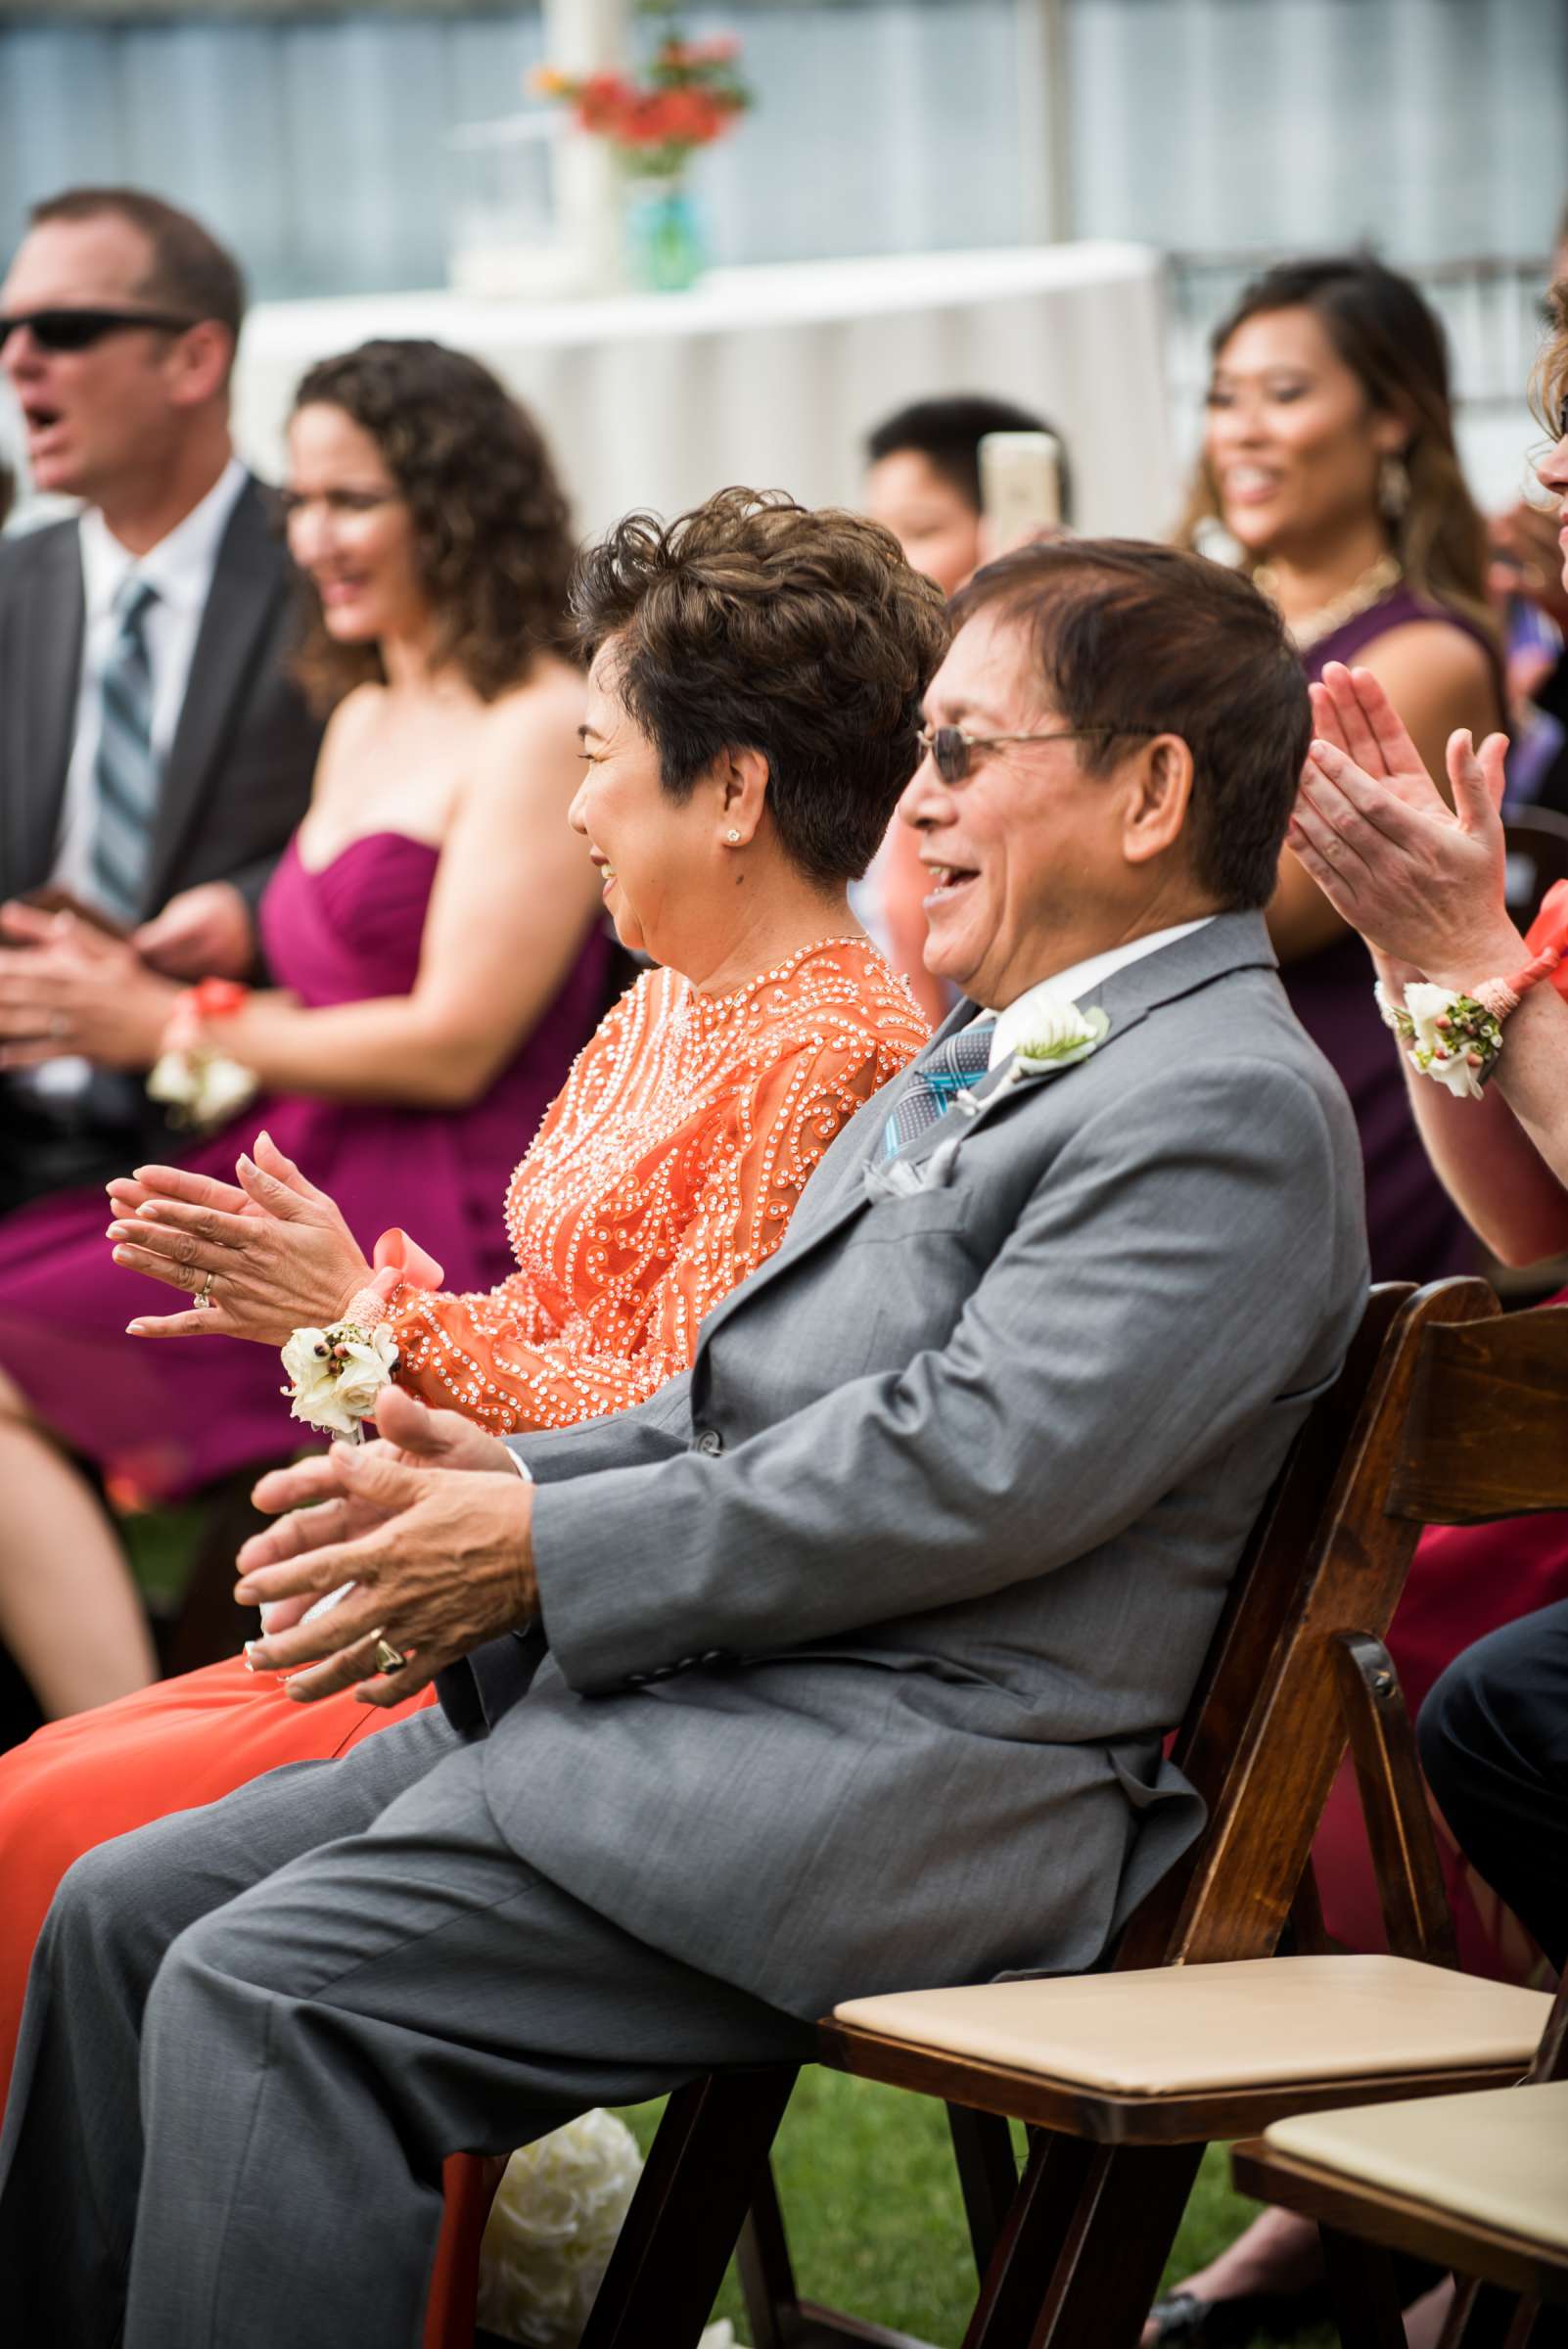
{"x":1549,"y":383}
{"x":755,"y":624}
{"x":492,"y":540}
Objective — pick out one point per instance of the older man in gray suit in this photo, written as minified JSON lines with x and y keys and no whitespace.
{"x":841,"y":1665}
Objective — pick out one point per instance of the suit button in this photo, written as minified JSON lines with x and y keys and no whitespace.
{"x":709,"y":1439}
{"x":637,"y":1679}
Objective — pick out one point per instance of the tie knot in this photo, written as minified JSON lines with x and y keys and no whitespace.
{"x":935,"y":1082}
{"x":135,"y":598}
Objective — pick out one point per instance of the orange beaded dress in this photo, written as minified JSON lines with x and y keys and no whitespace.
{"x":665,"y":1170}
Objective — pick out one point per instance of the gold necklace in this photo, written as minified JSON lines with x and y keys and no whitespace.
{"x":1371,"y":588}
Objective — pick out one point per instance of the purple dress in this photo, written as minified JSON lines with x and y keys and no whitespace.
{"x":162,"y":1417}
{"x":1415,"y":1231}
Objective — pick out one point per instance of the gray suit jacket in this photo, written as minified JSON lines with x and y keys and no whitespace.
{"x":858,"y":1640}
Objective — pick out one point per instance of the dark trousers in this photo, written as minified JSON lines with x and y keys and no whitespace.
{"x":47,"y":1147}
{"x":1495,"y":1745}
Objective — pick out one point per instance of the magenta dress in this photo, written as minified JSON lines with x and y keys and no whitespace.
{"x":160,"y":1418}
{"x":1415,"y":1231}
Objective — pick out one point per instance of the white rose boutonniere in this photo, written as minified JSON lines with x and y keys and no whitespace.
{"x":1061,"y":1033}
{"x":337,"y":1374}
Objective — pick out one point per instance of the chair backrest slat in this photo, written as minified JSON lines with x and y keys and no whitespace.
{"x":1487,"y":1434}
{"x":1267,"y":1731}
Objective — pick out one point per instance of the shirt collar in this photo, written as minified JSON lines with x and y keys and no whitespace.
{"x":180,"y":566}
{"x":1078,"y":980}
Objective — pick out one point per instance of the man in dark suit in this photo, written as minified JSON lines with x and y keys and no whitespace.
{"x":154,"y":753}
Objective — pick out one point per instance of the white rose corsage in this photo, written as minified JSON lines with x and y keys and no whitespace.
{"x":1061,"y":1034}
{"x":200,"y":1086}
{"x":1447,"y":1036}
{"x":336,"y":1375}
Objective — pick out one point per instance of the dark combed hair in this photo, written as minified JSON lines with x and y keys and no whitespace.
{"x":755,"y":624}
{"x":492,"y":540}
{"x":1131,"y":639}
{"x":191,"y":273}
{"x":1393,"y":343}
{"x":947,"y":433}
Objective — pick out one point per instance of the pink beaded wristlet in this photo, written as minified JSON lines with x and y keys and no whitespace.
{"x":397,"y":1259}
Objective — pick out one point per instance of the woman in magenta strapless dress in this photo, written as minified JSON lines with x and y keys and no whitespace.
{"x":437,"y":956}
{"x":160,"y":1421}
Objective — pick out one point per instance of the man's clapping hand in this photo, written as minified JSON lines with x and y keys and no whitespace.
{"x":439,"y":1562}
{"x":204,"y":933}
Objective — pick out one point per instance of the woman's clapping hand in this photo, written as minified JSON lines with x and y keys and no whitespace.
{"x":280,"y":1254}
{"x":1421,"y":881}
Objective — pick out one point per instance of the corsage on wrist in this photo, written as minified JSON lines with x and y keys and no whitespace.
{"x":1453,"y":1036}
{"x":200,"y":1086}
{"x":336,"y":1375}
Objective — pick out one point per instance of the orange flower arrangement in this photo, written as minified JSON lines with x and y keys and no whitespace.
{"x":692,"y":95}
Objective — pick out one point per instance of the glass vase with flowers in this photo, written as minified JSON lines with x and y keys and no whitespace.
{"x":689,"y":94}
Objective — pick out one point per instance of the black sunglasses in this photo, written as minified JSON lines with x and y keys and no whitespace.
{"x":951,"y":748}
{"x":79,"y":330}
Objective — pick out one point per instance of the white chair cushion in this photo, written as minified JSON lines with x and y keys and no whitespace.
{"x":1499,"y":2156}
{"x":1179,"y":2029}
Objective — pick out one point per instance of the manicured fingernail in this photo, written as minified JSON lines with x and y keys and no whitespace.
{"x":122,"y":1256}
{"x":136,"y":1329}
{"x":247,"y":1164}
{"x":152,"y":1214}
{"x":255,"y":1660}
{"x":244,"y":1595}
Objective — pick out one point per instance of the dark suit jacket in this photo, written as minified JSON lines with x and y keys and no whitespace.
{"x":237,"y":782}
{"x":239,"y":769}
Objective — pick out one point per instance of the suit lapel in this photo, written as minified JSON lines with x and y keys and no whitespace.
{"x":48,"y":682}
{"x":246,"y":581}
{"x":1231,"y":941}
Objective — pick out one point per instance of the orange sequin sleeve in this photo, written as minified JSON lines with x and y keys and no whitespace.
{"x":497,"y":1358}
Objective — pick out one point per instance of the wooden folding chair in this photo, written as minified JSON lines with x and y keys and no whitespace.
{"x":1096,"y":2210}
{"x":1478,"y":2183}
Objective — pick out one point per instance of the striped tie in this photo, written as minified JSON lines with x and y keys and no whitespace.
{"x":127,"y":769}
{"x":930,"y":1090}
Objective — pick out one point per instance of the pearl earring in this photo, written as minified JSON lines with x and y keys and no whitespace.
{"x":733,"y":837}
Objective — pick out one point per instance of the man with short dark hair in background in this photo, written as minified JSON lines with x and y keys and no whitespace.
{"x":154,"y":754}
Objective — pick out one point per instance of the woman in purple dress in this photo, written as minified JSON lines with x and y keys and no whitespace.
{"x":432,"y":939}
{"x":1329,"y":458}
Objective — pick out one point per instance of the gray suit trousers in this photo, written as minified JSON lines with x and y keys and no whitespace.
{"x":326,"y":1984}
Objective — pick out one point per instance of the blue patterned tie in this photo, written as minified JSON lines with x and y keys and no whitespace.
{"x":125,"y":770}
{"x":930,"y":1090}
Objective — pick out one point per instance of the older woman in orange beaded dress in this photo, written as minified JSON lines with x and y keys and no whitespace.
{"x":751,"y":719}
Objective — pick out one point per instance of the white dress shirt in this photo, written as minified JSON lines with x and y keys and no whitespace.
{"x":179,"y":568}
{"x":1074,"y":983}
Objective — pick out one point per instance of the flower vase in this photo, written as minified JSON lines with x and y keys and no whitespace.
{"x":664,"y":252}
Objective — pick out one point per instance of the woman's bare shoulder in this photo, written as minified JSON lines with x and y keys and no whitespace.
{"x":548,"y":702}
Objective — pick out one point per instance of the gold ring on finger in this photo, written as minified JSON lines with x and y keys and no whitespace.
{"x":203,"y":1300}
{"x":388,"y":1657}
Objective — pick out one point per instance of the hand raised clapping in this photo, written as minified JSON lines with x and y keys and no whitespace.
{"x":279,"y":1253}
{"x":1421,"y":881}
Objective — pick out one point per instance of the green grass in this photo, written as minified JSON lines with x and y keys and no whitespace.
{"x":865,"y":2173}
{"x":865,"y":2176}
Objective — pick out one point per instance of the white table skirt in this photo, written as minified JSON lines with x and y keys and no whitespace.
{"x":773,"y":376}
